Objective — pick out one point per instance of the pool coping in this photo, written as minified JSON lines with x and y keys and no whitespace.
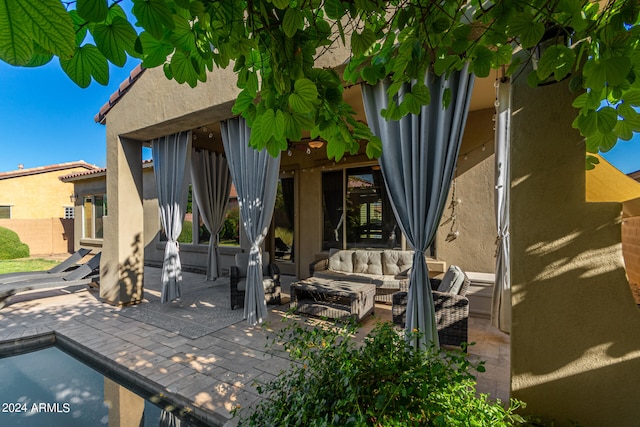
{"x":139,"y":384}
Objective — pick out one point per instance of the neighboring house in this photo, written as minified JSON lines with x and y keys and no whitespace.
{"x":39,"y":207}
{"x":575,"y":330}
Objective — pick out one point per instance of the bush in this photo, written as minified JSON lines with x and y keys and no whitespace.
{"x":186,"y":235}
{"x":382,"y":382}
{"x":10,"y":245}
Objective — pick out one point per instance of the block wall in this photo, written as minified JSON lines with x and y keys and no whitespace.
{"x":43,"y":236}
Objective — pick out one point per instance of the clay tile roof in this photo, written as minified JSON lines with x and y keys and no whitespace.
{"x":48,"y":168}
{"x":115,"y":97}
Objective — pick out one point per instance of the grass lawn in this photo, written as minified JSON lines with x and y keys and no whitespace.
{"x":25,"y":264}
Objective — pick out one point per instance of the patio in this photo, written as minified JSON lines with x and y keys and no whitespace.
{"x":197,"y":350}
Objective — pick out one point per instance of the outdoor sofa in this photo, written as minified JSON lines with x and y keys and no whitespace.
{"x":387,"y":269}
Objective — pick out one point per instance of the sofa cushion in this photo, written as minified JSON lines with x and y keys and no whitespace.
{"x":452,"y":281}
{"x":341,"y":275}
{"x":367,"y":262}
{"x":268,"y":284}
{"x":396,"y":262}
{"x":341,"y":260}
{"x":242,"y":262}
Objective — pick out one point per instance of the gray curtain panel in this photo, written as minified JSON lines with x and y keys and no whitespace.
{"x":501,"y":303}
{"x":255,"y":176}
{"x":211,"y":183}
{"x":419,"y":154}
{"x":171,"y":159}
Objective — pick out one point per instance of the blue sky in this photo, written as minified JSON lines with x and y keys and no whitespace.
{"x":45,"y":119}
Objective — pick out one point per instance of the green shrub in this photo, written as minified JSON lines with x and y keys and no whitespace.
{"x":186,"y":235}
{"x":10,"y":245}
{"x":381,"y":382}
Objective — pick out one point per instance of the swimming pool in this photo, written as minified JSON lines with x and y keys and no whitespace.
{"x":49,"y":387}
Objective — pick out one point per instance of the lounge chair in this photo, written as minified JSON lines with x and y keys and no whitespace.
{"x":59,"y":270}
{"x":238,"y":280}
{"x":86,"y":274}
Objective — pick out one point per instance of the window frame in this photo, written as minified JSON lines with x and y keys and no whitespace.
{"x":92,"y":199}
{"x":10,"y":208}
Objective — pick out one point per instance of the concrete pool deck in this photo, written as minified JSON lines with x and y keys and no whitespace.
{"x":196,"y":352}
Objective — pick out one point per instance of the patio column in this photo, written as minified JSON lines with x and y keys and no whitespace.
{"x":575,"y":331}
{"x":122,"y":261}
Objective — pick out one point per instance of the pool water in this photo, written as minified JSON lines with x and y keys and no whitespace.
{"x":51,"y":388}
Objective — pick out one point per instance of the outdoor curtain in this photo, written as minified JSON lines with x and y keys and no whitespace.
{"x":211,"y":183}
{"x":418,"y":160}
{"x":501,"y":304}
{"x":255,"y":176}
{"x":171,"y":158}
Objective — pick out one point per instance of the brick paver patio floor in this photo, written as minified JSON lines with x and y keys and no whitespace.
{"x":198,"y":352}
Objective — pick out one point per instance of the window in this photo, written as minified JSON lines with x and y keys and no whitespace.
{"x":5,"y":212}
{"x":94,"y":209}
{"x":69,"y":212}
{"x":357,"y":211}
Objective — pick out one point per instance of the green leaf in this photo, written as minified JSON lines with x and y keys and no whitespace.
{"x":482,"y":62}
{"x":46,"y":22}
{"x":183,"y":69}
{"x":591,"y":162}
{"x":360,"y":42}
{"x":601,"y":142}
{"x":182,"y":36}
{"x":631,"y":97}
{"x":623,"y":130}
{"x":292,"y":22}
{"x":630,"y":115}
{"x":374,"y":148}
{"x":606,"y":118}
{"x":268,"y":123}
{"x":86,"y":62}
{"x":299,"y":104}
{"x":155,"y":52}
{"x":16,"y":39}
{"x":244,"y":99}
{"x":524,"y":27}
{"x":292,"y":127}
{"x":92,"y":10}
{"x":557,"y":61}
{"x":306,"y":89}
{"x":444,"y":64}
{"x":334,"y":9}
{"x":411,"y":104}
{"x":280,"y":4}
{"x":115,"y":39}
{"x":610,"y":71}
{"x":154,"y":16}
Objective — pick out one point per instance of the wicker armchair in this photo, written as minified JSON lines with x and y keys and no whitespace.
{"x":238,"y":275}
{"x":452,"y":313}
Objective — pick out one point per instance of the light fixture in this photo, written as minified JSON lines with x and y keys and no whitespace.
{"x":73,"y":197}
{"x":308,"y":150}
{"x":316,"y":143}
{"x":289,"y":153}
{"x":210,"y":135}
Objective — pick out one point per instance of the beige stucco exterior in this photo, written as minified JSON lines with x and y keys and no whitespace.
{"x":575,"y":342}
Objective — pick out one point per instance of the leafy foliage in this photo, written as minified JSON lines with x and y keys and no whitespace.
{"x":274,"y":45}
{"x":336,"y":382}
{"x":10,"y":245}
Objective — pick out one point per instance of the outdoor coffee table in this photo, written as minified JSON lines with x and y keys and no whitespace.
{"x":335,"y":299}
